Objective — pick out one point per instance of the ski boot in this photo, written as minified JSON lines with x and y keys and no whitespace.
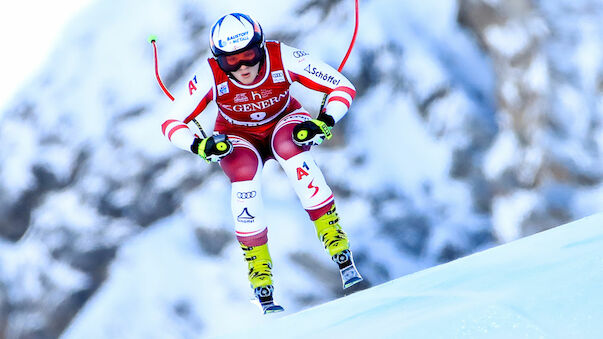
{"x":259,"y":264}
{"x":336,"y":243}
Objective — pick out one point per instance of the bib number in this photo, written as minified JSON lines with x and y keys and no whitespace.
{"x":258,"y":116}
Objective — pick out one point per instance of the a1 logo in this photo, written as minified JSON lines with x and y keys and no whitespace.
{"x":302,"y":171}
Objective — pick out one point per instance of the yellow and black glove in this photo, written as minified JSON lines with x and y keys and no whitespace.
{"x":313,"y":132}
{"x":212,"y":149}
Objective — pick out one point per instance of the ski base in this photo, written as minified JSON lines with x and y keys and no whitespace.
{"x":347,"y":269}
{"x":350,"y":276}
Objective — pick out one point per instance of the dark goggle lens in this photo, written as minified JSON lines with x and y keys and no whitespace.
{"x":231,"y":63}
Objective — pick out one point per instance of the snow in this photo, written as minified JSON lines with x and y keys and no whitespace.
{"x":16,"y":175}
{"x":505,"y":222}
{"x":502,"y":152}
{"x":507,"y":40}
{"x":543,"y":286}
{"x":168,"y":290}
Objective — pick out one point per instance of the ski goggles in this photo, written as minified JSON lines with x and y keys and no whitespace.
{"x":249,"y":57}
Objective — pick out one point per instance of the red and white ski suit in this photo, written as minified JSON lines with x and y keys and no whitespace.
{"x":259,"y":120}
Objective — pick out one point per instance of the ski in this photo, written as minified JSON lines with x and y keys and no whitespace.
{"x":272,"y":308}
{"x":265,"y":300}
{"x":350,"y":276}
{"x":347,"y":269}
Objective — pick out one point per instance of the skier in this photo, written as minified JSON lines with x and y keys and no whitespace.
{"x":249,"y":79}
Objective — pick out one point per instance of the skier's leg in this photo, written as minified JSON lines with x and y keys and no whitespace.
{"x":243,"y":167}
{"x":309,"y":183}
{"x":314,"y":194}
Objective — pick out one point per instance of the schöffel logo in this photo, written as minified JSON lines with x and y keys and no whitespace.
{"x":323,"y":76}
{"x":245,"y":217}
{"x":246,"y":195}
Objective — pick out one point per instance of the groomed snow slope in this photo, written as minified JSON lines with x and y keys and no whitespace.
{"x":544,"y":286}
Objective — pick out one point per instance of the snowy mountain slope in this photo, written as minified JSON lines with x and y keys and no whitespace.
{"x":543,"y":286}
{"x":425,"y":167}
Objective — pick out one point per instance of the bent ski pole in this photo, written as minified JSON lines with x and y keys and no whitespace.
{"x":324,"y":99}
{"x":153,"y":40}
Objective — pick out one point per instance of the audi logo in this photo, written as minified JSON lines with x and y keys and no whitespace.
{"x":246,"y":195}
{"x":299,"y":54}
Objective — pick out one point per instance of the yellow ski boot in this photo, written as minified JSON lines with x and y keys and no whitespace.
{"x":336,"y":243}
{"x":259,"y":264}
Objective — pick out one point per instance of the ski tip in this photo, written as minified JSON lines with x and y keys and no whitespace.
{"x":152,"y":38}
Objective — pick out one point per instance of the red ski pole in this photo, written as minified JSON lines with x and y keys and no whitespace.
{"x":353,"y":39}
{"x":324,"y":99}
{"x":153,"y":41}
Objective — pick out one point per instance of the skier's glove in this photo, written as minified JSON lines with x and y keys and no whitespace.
{"x":313,"y":132}
{"x":212,"y":149}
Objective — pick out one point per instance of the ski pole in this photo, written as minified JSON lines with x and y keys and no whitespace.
{"x":324,"y":99}
{"x":153,"y":40}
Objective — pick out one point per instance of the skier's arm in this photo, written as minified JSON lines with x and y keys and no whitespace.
{"x":315,"y":74}
{"x":188,"y":105}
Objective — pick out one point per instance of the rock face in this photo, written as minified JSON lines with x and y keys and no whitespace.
{"x":548,"y":112}
{"x":476,"y":122}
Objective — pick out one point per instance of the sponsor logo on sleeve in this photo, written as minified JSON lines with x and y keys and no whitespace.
{"x":278,"y":76}
{"x":223,"y":88}
{"x":321,"y":75}
{"x":299,"y":54}
{"x":191,"y":86}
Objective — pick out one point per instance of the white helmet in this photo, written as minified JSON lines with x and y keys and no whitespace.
{"x":235,"y":33}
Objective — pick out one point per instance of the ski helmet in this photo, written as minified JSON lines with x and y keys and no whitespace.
{"x":233,"y":34}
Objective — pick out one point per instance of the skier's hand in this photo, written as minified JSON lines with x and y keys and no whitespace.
{"x":312,"y":132}
{"x":212,"y":149}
